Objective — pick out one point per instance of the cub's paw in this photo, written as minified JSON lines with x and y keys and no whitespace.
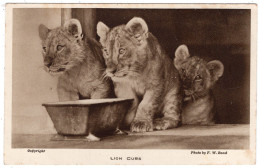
{"x":120,"y":132}
{"x":164,"y":123}
{"x":141,"y":126}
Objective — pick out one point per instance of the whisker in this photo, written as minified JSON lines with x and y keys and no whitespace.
{"x":136,"y":72}
{"x":121,"y":70}
{"x":193,"y":97}
{"x":104,"y":76}
{"x":102,"y":69}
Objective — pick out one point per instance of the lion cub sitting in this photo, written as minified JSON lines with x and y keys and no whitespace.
{"x":198,"y":77}
{"x":80,"y":65}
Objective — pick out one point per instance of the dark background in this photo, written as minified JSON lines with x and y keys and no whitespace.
{"x":214,"y":34}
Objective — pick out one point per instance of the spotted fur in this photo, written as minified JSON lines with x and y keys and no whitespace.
{"x":140,"y":69}
{"x":79,"y":64}
{"x":198,"y":77}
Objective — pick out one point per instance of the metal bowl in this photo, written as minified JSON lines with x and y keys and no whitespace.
{"x":84,"y":117}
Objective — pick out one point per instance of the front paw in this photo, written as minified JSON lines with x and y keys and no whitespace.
{"x":141,"y":126}
{"x":120,"y":132}
{"x":164,"y":123}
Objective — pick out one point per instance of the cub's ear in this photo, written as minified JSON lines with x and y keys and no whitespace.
{"x":138,"y":27}
{"x":216,"y":69}
{"x":181,"y":54}
{"x":102,"y":31}
{"x":73,"y":26}
{"x":43,"y":32}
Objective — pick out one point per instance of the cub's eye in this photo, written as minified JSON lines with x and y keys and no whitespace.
{"x":44,"y":49}
{"x":121,"y":51}
{"x":59,"y":47}
{"x":183,"y":70}
{"x":198,"y":77}
{"x":105,"y":50}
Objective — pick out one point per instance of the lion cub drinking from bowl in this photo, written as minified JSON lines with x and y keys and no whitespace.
{"x":198,"y":77}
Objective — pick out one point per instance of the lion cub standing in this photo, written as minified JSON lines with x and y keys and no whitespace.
{"x":198,"y":77}
{"x":80,"y":65}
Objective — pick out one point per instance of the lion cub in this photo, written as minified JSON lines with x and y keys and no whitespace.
{"x":198,"y":77}
{"x":80,"y":65}
{"x":140,"y":69}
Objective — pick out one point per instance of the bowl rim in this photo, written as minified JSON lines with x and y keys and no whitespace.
{"x":87,"y":102}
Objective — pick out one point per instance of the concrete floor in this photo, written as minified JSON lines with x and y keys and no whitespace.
{"x":185,"y":137}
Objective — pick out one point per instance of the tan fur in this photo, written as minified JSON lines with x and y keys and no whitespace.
{"x":140,"y":69}
{"x":79,"y":64}
{"x":198,"y":77}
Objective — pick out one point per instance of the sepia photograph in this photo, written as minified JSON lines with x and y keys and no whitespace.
{"x":130,"y":83}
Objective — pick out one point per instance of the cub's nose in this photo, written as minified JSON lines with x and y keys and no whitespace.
{"x":184,"y":86}
{"x":113,"y":71}
{"x":187,"y":84}
{"x":48,"y":64}
{"x":48,"y":61}
{"x":110,"y":72}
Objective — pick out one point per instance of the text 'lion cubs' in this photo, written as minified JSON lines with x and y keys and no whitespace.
{"x":140,"y":69}
{"x":79,"y":64}
{"x":198,"y":77}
